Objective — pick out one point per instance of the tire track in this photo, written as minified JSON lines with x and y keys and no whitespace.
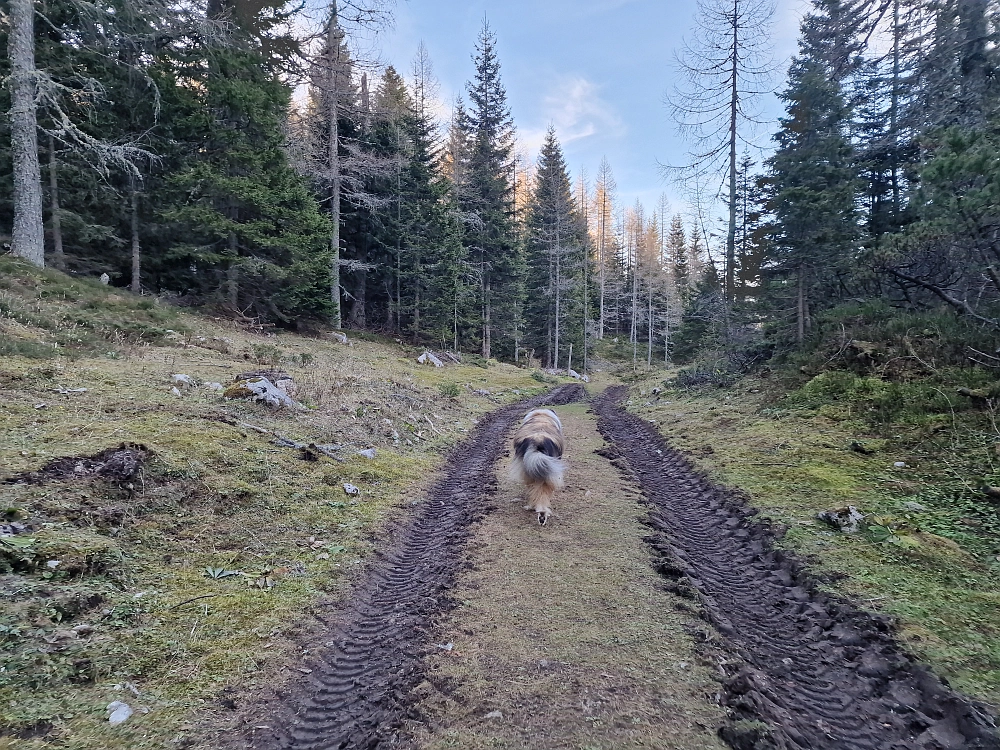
{"x":356,"y":695}
{"x":821,"y":672}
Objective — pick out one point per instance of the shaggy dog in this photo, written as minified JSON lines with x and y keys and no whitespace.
{"x":538,"y":449}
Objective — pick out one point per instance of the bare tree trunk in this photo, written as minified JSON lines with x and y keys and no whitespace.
{"x":28,"y":236}
{"x":334,"y":166}
{"x":569,"y":359}
{"x":649,"y":325}
{"x":558,"y":296}
{"x":801,"y":307}
{"x":487,"y":314}
{"x":58,"y":257}
{"x":233,"y":274}
{"x":733,"y":114}
{"x":134,"y":222}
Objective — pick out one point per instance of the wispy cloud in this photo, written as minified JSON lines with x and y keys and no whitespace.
{"x":573,"y":105}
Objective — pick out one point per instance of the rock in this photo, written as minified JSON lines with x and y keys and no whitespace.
{"x":181,"y":379}
{"x":214,"y":386}
{"x":573,"y":374}
{"x":120,"y":712}
{"x":105,"y":279}
{"x":428,"y":358}
{"x":340,"y":338}
{"x":913,"y":507}
{"x":350,"y":489}
{"x":846,"y":519}
{"x":261,"y":389}
{"x":494,"y":715}
{"x":287,"y":385}
{"x":83,"y":629}
{"x":482,"y":392}
{"x":585,"y":378}
{"x":901,"y":465}
{"x":175,"y":391}
{"x":368,"y":453}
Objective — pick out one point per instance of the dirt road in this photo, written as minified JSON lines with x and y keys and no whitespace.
{"x":504,"y":634}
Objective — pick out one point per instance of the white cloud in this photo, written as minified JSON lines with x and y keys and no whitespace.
{"x":575,"y":108}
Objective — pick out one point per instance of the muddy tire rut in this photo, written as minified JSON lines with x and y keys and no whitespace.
{"x":819,"y":671}
{"x":356,"y":695}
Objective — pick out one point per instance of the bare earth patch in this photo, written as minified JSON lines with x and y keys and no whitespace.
{"x":565,"y":636}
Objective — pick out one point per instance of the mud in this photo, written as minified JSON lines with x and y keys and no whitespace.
{"x":356,"y":695}
{"x":119,"y":464}
{"x":821,"y":672}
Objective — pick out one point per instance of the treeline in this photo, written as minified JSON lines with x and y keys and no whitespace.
{"x":882,"y":195}
{"x":168,"y":153}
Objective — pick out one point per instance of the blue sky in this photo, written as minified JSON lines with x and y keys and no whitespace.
{"x":596,"y":69}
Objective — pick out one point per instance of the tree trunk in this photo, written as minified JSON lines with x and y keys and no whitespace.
{"x":134,"y":222}
{"x":487,"y":313}
{"x":233,"y":274}
{"x":649,"y":326}
{"x":58,"y":257}
{"x":28,"y":236}
{"x":334,"y":167}
{"x":558,"y":297}
{"x":801,"y":307}
{"x":733,"y":113}
{"x":601,"y":259}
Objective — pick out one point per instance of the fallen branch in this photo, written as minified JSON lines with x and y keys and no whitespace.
{"x":193,"y":599}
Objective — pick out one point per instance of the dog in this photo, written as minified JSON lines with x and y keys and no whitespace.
{"x":538,"y":449}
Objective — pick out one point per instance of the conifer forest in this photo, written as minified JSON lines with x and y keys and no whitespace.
{"x":346,"y":403}
{"x":161,"y":143}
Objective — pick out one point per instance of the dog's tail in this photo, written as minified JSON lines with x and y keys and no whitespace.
{"x":541,"y":467}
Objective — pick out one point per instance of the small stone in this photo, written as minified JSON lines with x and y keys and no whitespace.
{"x":120,"y":712}
{"x":901,"y":465}
{"x":105,"y":279}
{"x":368,"y":453}
{"x":494,"y":715}
{"x":53,"y":564}
{"x":175,"y":391}
{"x":913,"y":507}
{"x":350,"y":489}
{"x":182,"y":379}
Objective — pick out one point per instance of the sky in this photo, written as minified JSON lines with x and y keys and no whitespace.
{"x":598,"y":70}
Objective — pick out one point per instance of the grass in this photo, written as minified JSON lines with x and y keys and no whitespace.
{"x":938,"y":569}
{"x":154,"y":627}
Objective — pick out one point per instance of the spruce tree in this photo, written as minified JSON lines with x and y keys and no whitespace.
{"x":812,"y":175}
{"x":555,"y":259}
{"x":488,"y":193}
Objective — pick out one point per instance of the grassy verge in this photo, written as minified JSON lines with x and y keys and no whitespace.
{"x":163,"y":592}
{"x":929,"y":552}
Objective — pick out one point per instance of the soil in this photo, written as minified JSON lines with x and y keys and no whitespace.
{"x":821,"y":672}
{"x":356,"y":694}
{"x":117,"y":464}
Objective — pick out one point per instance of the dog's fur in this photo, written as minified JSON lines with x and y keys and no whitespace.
{"x":538,"y":449}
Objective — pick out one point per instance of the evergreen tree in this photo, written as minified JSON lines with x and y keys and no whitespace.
{"x":246,"y":230}
{"x":812,"y":175}
{"x":556,"y":259}
{"x":487,"y":193}
{"x":677,"y":256}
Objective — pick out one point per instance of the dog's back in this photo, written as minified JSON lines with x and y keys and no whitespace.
{"x":538,"y":450}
